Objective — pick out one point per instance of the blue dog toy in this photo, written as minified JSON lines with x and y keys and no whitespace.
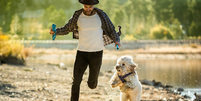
{"x":55,"y":31}
{"x":117,"y":47}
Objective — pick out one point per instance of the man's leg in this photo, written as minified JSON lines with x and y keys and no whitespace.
{"x":79,"y":69}
{"x":95,"y":61}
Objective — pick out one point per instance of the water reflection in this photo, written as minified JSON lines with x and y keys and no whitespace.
{"x":179,"y":73}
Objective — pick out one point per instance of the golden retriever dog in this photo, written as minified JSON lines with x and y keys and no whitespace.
{"x":126,"y":78}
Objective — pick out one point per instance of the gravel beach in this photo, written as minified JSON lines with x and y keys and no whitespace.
{"x":46,"y":81}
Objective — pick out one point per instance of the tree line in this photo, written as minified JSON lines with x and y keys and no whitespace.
{"x":139,"y":19}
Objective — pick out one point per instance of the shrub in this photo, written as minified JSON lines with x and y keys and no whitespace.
{"x":11,"y":51}
{"x":160,"y":32}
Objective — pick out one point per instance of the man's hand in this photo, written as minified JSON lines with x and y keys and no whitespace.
{"x":51,"y":32}
{"x":117,"y":43}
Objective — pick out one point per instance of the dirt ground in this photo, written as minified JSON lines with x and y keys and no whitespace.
{"x":47,"y":82}
{"x":52,"y":82}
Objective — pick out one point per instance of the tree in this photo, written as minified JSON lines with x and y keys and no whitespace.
{"x":8,"y":8}
{"x":194,"y":30}
{"x":180,"y":10}
{"x":176,"y":28}
{"x":52,"y":15}
{"x":163,"y":10}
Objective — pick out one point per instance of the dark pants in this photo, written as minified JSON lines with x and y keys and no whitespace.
{"x":84,"y":59}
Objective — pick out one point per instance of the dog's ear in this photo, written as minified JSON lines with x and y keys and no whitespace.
{"x":133,"y":66}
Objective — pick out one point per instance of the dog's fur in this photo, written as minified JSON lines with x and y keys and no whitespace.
{"x":132,"y":88}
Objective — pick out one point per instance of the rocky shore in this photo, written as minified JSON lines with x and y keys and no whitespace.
{"x":52,"y":82}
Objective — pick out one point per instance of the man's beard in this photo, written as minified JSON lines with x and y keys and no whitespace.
{"x":88,"y":12}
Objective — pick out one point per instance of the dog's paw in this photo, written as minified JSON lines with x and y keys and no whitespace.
{"x":113,"y":85}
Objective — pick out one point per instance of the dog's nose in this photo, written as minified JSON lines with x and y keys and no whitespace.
{"x":117,"y":67}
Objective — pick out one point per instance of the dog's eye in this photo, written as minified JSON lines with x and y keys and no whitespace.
{"x":123,"y":64}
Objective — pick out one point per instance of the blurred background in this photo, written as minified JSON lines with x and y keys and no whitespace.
{"x":140,"y":19}
{"x":163,"y":36}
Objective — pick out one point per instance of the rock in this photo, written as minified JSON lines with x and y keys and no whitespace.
{"x":180,"y":89}
{"x":157,"y":84}
{"x":147,"y":88}
{"x":169,"y":90}
{"x":146,"y":82}
{"x":187,"y":96}
{"x":24,"y":91}
{"x":12,"y":96}
{"x":61,"y":65}
{"x":168,"y":86}
{"x":32,"y":90}
{"x":198,"y":97}
{"x":109,"y":71}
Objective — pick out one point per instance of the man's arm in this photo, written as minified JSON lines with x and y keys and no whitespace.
{"x":113,"y":34}
{"x":63,"y":30}
{"x":68,"y":27}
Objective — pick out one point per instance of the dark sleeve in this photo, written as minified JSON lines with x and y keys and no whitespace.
{"x":66,"y":28}
{"x":112,"y":33}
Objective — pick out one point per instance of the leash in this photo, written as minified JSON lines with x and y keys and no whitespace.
{"x":122,"y":77}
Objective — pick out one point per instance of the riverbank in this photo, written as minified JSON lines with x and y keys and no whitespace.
{"x":44,"y":78}
{"x":51,"y":82}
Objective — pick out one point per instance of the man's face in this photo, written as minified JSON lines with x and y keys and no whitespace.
{"x":88,"y":9}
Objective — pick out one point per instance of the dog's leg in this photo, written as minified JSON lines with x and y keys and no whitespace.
{"x":115,"y":81}
{"x":134,"y":97}
{"x":136,"y":94}
{"x":124,"y":96}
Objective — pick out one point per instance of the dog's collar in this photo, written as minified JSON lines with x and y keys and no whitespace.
{"x":122,"y":77}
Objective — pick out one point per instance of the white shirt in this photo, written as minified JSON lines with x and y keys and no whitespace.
{"x":90,"y":33}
